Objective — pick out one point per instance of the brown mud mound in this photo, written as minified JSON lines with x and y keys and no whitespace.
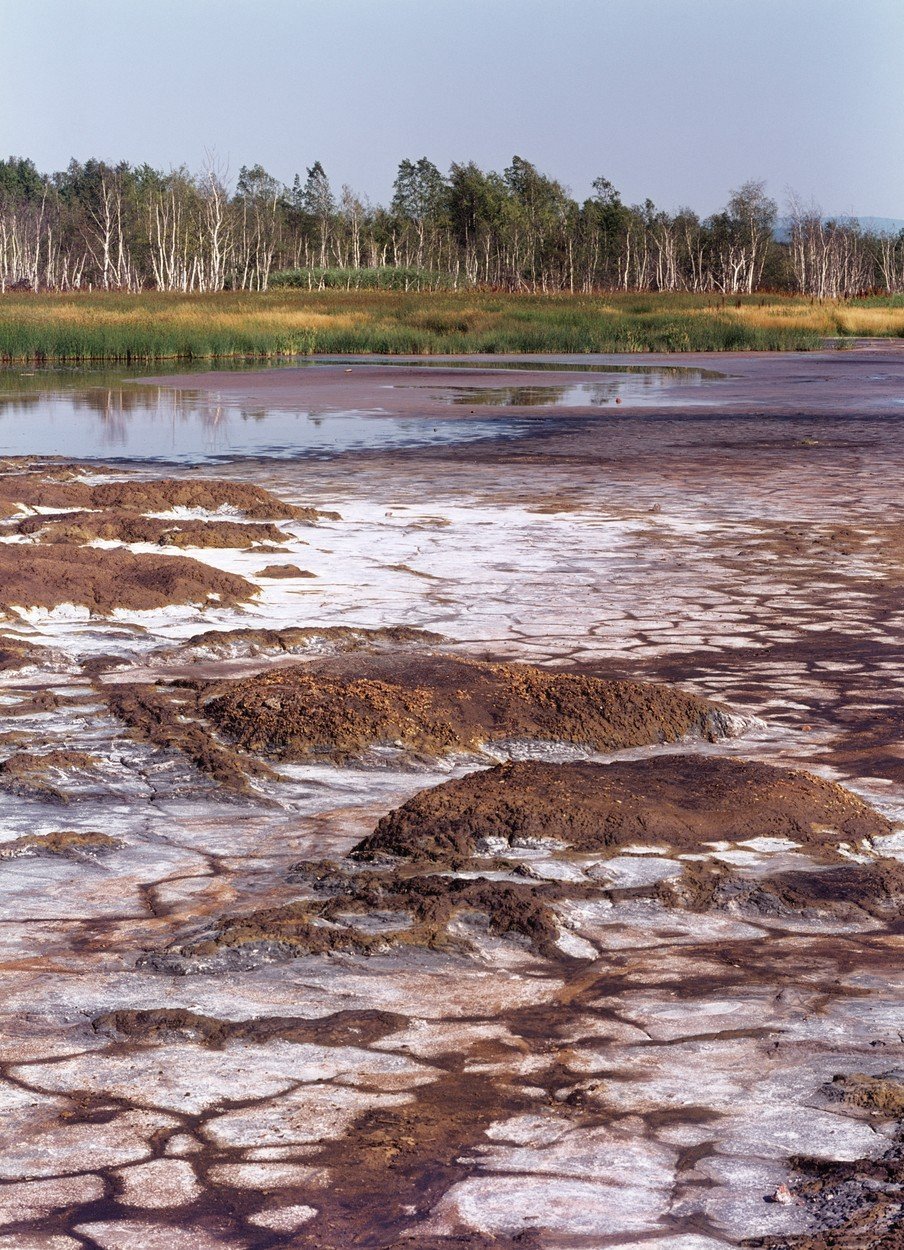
{"x":57,"y":488}
{"x":680,"y":801}
{"x":81,"y":528}
{"x":15,"y":654}
{"x":68,"y":843}
{"x":284,"y":570}
{"x":104,"y":579}
{"x":846,"y":893}
{"x":433,"y":704}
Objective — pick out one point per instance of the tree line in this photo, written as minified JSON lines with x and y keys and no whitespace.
{"x":121,"y":227}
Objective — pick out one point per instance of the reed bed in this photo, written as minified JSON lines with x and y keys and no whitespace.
{"x":118,"y":327}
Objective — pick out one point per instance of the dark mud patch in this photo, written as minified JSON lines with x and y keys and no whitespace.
{"x":81,"y":528}
{"x":394,"y":1164}
{"x":68,"y":843}
{"x":163,"y":717}
{"x":59,"y":487}
{"x":855,"y":1205}
{"x":432,"y":704}
{"x":103,"y":579}
{"x":364,"y":913}
{"x":883,"y":542}
{"x":847,"y":893}
{"x":678,"y":801}
{"x":161,"y":1024}
{"x":278,"y":571}
{"x":38,"y":774}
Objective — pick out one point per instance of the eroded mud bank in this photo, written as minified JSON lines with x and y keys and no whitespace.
{"x":529,"y":877}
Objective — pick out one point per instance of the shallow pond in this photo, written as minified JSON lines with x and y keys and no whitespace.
{"x":114,"y":415}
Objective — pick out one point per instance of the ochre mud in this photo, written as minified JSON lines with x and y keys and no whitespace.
{"x":59,"y":487}
{"x":81,"y":528}
{"x":69,"y":843}
{"x":413,"y":911}
{"x":682,"y":801}
{"x":34,"y":576}
{"x":642,"y":1053}
{"x":847,"y":893}
{"x":433,"y":704}
{"x":162,"y":716}
{"x":37,"y":772}
{"x":675,"y":801}
{"x":278,"y":571}
{"x":15,"y":654}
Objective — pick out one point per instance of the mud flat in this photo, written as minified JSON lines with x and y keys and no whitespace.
{"x":530,"y":876}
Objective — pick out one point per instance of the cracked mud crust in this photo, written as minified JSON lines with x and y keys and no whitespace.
{"x":537,"y":1015}
{"x":857,"y":1205}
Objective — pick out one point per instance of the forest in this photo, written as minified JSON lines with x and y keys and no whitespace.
{"x":116,"y":227}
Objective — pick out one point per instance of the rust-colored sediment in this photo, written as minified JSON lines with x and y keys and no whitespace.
{"x":113,"y":525}
{"x":60,"y":487}
{"x":104,"y":579}
{"x":433,"y":704}
{"x":679,"y":802}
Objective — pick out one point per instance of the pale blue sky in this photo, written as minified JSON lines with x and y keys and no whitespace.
{"x":676,"y":99}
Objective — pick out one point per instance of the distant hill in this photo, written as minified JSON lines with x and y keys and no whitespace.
{"x":872,"y":225}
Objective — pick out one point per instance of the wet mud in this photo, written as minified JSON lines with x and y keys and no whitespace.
{"x":531,"y":876}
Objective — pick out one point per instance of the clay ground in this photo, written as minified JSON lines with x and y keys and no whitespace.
{"x":651,"y":1073}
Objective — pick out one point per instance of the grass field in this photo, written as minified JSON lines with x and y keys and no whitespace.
{"x":114,"y":327}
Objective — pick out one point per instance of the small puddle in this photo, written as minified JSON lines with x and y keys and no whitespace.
{"x":636,"y":390}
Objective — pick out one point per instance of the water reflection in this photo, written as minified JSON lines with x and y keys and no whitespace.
{"x":158,"y":423}
{"x":644,"y":388}
{"x":105,"y":414}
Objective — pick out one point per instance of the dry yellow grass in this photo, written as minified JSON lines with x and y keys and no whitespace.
{"x":151,"y":326}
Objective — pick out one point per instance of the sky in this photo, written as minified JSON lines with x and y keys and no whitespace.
{"x":678,"y":100}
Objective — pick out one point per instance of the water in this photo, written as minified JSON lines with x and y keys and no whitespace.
{"x":148,"y":423}
{"x":110,"y":415}
{"x":639,"y":390}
